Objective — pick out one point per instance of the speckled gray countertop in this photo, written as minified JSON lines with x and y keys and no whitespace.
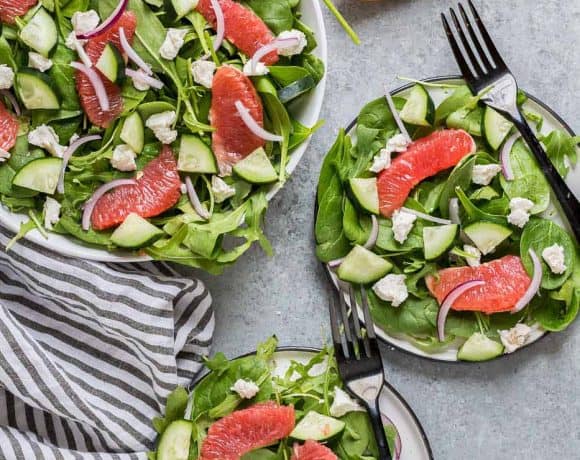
{"x":526,"y":406}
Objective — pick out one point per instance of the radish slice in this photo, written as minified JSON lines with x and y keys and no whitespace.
{"x":92,"y":202}
{"x":396,"y":116}
{"x":153,"y":82}
{"x":132,"y":54}
{"x":504,"y":156}
{"x":199,"y":209}
{"x":107,"y":23}
{"x":13,"y":101}
{"x":454,"y":211}
{"x":254,"y":126}
{"x":221,"y":24}
{"x":424,"y":216}
{"x":448,"y":302}
{"x":277,"y":44}
{"x":374,"y":233}
{"x":534,"y":285}
{"x":97,"y":84}
{"x":69,"y":153}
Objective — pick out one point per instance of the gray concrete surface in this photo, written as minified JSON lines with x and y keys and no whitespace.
{"x":526,"y":406}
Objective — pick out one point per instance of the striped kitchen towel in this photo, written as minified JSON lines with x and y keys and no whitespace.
{"x":90,"y":351}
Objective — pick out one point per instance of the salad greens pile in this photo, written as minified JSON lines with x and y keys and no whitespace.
{"x":301,"y":387}
{"x":181,"y":235}
{"x":343,"y":222}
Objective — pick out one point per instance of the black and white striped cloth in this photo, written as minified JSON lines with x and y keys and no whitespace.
{"x":90,"y":351}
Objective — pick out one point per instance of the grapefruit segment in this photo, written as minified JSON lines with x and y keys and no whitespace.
{"x":232,"y":139}
{"x":248,"y":429}
{"x":506,"y":281}
{"x":312,"y":450}
{"x":157,"y":190}
{"x":8,"y":128}
{"x":244,"y":28}
{"x":424,"y":158}
{"x":11,"y":9}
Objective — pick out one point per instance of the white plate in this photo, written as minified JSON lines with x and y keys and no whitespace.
{"x":307,"y":111}
{"x":551,"y":121}
{"x":414,"y":442}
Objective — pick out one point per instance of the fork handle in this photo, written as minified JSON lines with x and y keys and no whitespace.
{"x":565,"y":196}
{"x":379,"y":430}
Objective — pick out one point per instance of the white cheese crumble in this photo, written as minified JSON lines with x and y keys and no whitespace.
{"x":554,"y":257}
{"x":202,"y":72}
{"x":221,"y":190}
{"x":520,"y":211}
{"x":402,"y":224}
{"x":296,"y":49}
{"x":160,"y":124}
{"x":343,"y":404}
{"x":484,"y":174}
{"x":398,"y":143}
{"x":183,"y":188}
{"x":84,"y":22}
{"x":474,"y":261}
{"x":46,"y":138}
{"x":392,"y":288}
{"x":4,"y":155}
{"x":6,"y":77}
{"x":174,"y":41}
{"x":39,"y":62}
{"x":515,"y":337}
{"x":123,"y":158}
{"x":140,"y":81}
{"x":51,"y":212}
{"x":261,"y":69}
{"x":245,"y":388}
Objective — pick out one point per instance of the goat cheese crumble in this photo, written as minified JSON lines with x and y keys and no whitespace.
{"x":140,"y":81}
{"x":123,"y":158}
{"x":46,"y":138}
{"x":202,"y":72}
{"x":402,"y":224}
{"x":392,"y":288}
{"x":520,"y":211}
{"x":515,"y":338}
{"x":554,"y":257}
{"x":475,"y":260}
{"x":51,"y":212}
{"x":39,"y":62}
{"x":302,"y":42}
{"x":161,"y":124}
{"x":221,"y":190}
{"x":484,"y":174}
{"x":246,"y":389}
{"x":260,"y":69}
{"x":84,"y":22}
{"x":4,"y":155}
{"x":6,"y":77}
{"x":398,"y":143}
{"x":174,"y":41}
{"x":343,"y":404}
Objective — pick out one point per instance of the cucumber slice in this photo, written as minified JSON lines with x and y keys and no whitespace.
{"x":437,"y":239}
{"x":195,"y":156}
{"x":175,"y":441}
{"x":40,"y":175}
{"x":419,"y":109}
{"x":256,"y":168}
{"x":111,"y":63}
{"x":133,"y":132}
{"x":40,"y":33}
{"x":362,"y":266}
{"x":296,"y":89}
{"x":136,"y":232}
{"x":317,"y":427}
{"x":365,"y":193}
{"x":36,"y":90}
{"x":487,"y":235}
{"x":479,"y":347}
{"x":495,"y":128}
{"x":177,"y":9}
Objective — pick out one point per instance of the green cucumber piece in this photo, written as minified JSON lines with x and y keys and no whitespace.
{"x":40,"y":175}
{"x":136,"y":232}
{"x":487,"y":235}
{"x":419,"y":109}
{"x":256,"y":168}
{"x":437,"y":239}
{"x":365,"y":193}
{"x":317,"y":427}
{"x":495,"y":128}
{"x":133,"y":132}
{"x":111,"y":63}
{"x":40,"y":33}
{"x":362,"y":266}
{"x":175,"y":441}
{"x":296,"y":89}
{"x":177,"y":9}
{"x":195,"y":156}
{"x":479,"y":347}
{"x":36,"y":90}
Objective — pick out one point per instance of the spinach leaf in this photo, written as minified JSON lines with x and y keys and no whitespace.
{"x":460,"y":97}
{"x":63,"y":76}
{"x":467,"y":118}
{"x":174,"y":409}
{"x":561,"y":149}
{"x":285,"y":75}
{"x":459,"y":177}
{"x":560,"y":309}
{"x":386,"y":238}
{"x":277,"y":14}
{"x":356,"y":228}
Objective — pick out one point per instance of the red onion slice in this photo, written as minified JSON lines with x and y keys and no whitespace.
{"x":275,"y":45}
{"x":534,"y":285}
{"x":448,"y":302}
{"x":13,"y":101}
{"x":335,"y":263}
{"x":220,"y":24}
{"x":504,"y":156}
{"x":89,"y":206}
{"x":254,"y":126}
{"x":454,"y":211}
{"x":396,"y":116}
{"x":132,"y":54}
{"x":374,"y":233}
{"x":97,"y":83}
{"x":427,"y":217}
{"x":107,"y":23}
{"x":69,"y":153}
{"x":153,"y":82}
{"x":398,"y":443}
{"x":199,"y":209}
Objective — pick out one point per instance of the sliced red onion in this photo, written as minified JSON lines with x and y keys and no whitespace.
{"x":91,"y":203}
{"x":254,"y":126}
{"x":374,"y":233}
{"x":199,"y":209}
{"x":107,"y":23}
{"x":424,"y":216}
{"x":132,"y":54}
{"x":69,"y":152}
{"x":448,"y":302}
{"x":396,"y":116}
{"x":454,"y":211}
{"x":534,"y":285}
{"x":153,"y":82}
{"x":504,"y":156}
{"x":335,"y":263}
{"x":97,"y":83}
{"x":275,"y":45}
{"x":398,"y":443}
{"x":220,"y":24}
{"x":13,"y":101}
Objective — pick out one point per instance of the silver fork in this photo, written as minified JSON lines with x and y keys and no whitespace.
{"x":486,"y":73}
{"x":358,"y":357}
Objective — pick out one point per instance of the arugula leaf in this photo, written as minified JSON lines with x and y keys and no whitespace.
{"x":562,"y":150}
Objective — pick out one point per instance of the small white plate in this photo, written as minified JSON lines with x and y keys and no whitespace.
{"x":306,"y":111}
